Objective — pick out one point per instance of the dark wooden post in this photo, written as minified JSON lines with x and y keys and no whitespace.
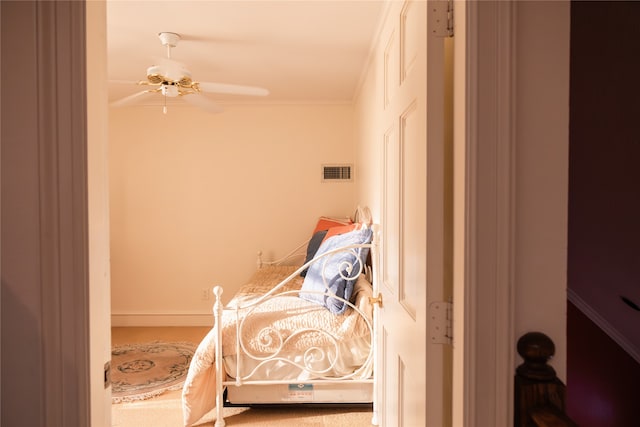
{"x":539,"y":394}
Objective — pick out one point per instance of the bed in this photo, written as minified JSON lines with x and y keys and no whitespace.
{"x":294,"y":334}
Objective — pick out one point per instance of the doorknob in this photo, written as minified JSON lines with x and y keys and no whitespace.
{"x":376,"y":300}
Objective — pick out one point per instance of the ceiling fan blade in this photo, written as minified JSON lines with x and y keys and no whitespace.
{"x":232,"y":89}
{"x":132,"y":99}
{"x":201,"y":101}
{"x":124,"y":82}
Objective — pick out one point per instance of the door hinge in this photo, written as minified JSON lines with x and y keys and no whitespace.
{"x":441,"y":15}
{"x":441,"y":322}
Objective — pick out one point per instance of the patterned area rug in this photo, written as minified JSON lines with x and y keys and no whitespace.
{"x":142,"y":371}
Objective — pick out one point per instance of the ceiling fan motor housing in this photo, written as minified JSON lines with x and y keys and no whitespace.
{"x":160,"y":75}
{"x":169,"y":39}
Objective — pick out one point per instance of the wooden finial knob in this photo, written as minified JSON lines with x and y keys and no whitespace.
{"x":536,"y":349}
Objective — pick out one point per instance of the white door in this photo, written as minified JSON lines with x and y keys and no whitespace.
{"x":412,"y":369}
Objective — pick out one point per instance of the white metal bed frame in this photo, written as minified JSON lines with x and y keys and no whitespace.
{"x":317,"y":378}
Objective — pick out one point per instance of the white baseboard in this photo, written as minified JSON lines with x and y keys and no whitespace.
{"x":150,"y":319}
{"x":603,"y":324}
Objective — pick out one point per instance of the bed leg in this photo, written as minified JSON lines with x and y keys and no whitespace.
{"x":374,"y":416}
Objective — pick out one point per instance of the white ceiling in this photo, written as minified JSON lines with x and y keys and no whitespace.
{"x":300,"y":50}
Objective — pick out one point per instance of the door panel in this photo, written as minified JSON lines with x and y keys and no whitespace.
{"x":411,"y":202}
{"x":390,"y":269}
{"x":412,"y":205}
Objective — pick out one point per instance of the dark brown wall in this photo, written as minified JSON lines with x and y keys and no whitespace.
{"x":602,"y":379}
{"x":604,"y":209}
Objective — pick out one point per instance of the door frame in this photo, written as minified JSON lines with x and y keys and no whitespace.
{"x":482,"y":392}
{"x":50,"y":279}
{"x":484,"y":212}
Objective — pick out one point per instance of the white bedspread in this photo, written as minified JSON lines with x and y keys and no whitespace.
{"x":284,"y":326}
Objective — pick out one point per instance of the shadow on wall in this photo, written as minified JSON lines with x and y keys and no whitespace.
{"x":21,"y":356}
{"x":602,"y":379}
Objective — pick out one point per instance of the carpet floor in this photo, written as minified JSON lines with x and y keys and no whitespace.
{"x":165,"y":410}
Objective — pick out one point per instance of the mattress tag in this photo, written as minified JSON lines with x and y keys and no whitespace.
{"x":300,"y":392}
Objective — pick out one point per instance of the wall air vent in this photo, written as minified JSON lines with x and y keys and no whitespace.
{"x":337,"y":173}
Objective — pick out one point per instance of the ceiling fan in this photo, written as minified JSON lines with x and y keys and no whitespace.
{"x":171,"y":79}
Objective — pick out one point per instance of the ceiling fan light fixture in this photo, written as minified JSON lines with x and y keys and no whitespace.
{"x":185,"y":80}
{"x":158,"y":75}
{"x":170,"y":90}
{"x":154,"y":75}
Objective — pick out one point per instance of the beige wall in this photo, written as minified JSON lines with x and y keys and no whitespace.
{"x":367,"y":111}
{"x":542,"y":148}
{"x":195,"y":196}
{"x":368,"y":150}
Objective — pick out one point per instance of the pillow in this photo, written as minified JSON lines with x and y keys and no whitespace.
{"x":312,"y":248}
{"x":325,"y":223}
{"x":334,"y":231}
{"x":335,"y":269}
